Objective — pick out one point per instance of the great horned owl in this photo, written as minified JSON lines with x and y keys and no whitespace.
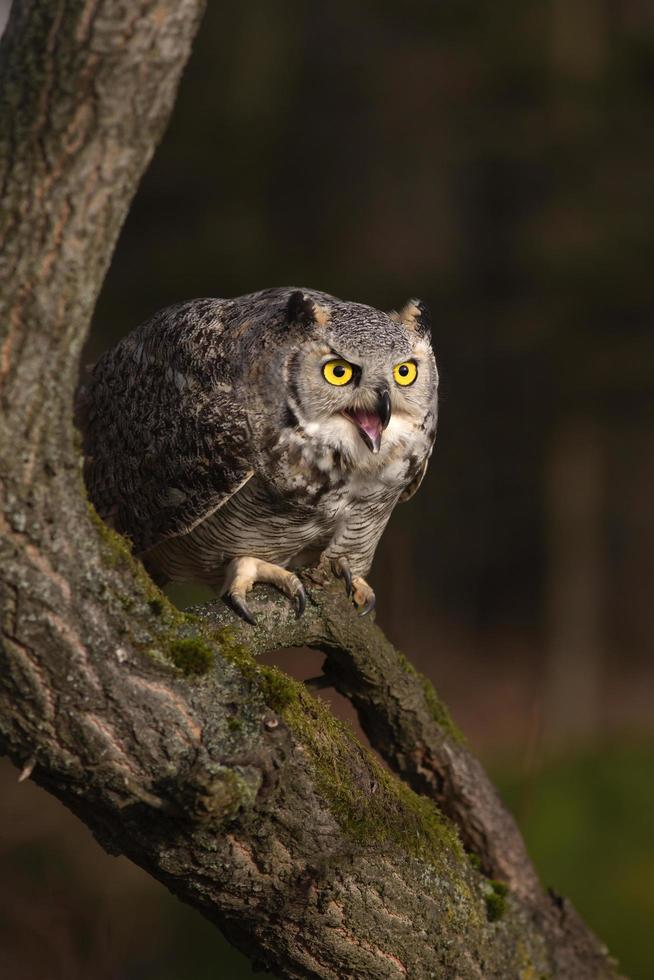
{"x":237,"y":440}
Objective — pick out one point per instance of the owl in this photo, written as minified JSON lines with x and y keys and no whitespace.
{"x":236,"y":441}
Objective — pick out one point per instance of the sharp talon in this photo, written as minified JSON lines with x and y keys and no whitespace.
{"x":342,"y":570}
{"x":300,"y":602}
{"x":369,"y":606}
{"x":241,"y":607}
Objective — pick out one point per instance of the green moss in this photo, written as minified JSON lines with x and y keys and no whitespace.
{"x":383,"y":810}
{"x":380,"y":811}
{"x":168,"y":639}
{"x":474,"y":860}
{"x":126,"y":602}
{"x":117,"y":552}
{"x":236,"y":651}
{"x":437,"y":709}
{"x":156,"y":605}
{"x":191,"y":655}
{"x":496,"y":899}
{"x":495,"y":906}
{"x":279,"y":690}
{"x":116,"y":547}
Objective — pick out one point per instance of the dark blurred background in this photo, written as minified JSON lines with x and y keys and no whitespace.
{"x":496,"y":160}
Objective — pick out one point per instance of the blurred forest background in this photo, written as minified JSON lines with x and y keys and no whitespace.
{"x":496,"y":160}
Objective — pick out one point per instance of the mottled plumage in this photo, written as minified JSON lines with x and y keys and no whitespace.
{"x":212,"y":434}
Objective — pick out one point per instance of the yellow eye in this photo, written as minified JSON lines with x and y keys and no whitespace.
{"x":405,"y":373}
{"x":338,"y":372}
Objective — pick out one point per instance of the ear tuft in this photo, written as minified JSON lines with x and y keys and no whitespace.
{"x":415,"y":316}
{"x":300,"y":309}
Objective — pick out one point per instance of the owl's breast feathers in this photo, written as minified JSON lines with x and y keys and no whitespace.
{"x":305,"y":464}
{"x":309,"y":498}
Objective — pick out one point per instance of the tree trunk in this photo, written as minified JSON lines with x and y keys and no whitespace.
{"x":224,"y":779}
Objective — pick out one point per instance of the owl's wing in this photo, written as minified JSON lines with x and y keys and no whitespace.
{"x":412,"y":487}
{"x":166,"y":438}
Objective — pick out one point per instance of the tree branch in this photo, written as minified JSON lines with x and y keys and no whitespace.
{"x":411,"y":728}
{"x":223,"y":778}
{"x":401,"y":715}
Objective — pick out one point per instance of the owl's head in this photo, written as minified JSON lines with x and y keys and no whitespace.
{"x":359,"y":377}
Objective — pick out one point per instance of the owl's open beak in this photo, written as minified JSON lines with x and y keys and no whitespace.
{"x":372,"y":424}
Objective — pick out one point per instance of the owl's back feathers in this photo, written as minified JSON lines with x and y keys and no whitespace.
{"x":164,"y":436}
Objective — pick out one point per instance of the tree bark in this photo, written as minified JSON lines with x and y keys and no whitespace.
{"x":222,"y":778}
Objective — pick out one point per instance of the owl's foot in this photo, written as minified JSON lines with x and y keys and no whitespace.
{"x":243,"y":573}
{"x":363,"y":595}
{"x":356,"y":587}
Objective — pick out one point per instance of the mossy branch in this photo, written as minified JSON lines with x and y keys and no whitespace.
{"x":398,"y":709}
